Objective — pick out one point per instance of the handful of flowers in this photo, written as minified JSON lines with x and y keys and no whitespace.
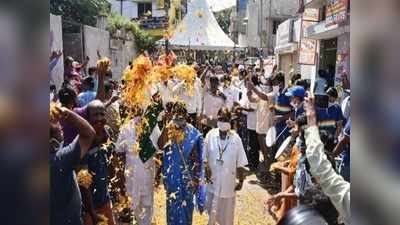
{"x":104,"y":220}
{"x":187,"y":74}
{"x":55,"y":112}
{"x":84,"y":178}
{"x":135,"y":93}
{"x":103,"y":65}
{"x":175,"y":133}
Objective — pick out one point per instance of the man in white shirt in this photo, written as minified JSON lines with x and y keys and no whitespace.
{"x":213,"y":101}
{"x":253,"y":150}
{"x":139,"y":176}
{"x":264,"y":117}
{"x":225,"y":159}
{"x":165,"y":88}
{"x":193,"y":101}
{"x":230,"y":91}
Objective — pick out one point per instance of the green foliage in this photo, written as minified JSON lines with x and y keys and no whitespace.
{"x":223,"y":19}
{"x":142,"y":39}
{"x":80,"y":11}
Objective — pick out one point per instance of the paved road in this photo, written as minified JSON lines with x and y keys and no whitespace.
{"x":249,"y":208}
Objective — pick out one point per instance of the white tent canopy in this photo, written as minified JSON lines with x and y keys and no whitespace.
{"x":199,"y":30}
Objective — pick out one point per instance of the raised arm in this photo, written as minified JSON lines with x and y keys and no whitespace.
{"x":266,"y":97}
{"x":102,"y":68}
{"x":85,"y":130}
{"x":332,"y":184}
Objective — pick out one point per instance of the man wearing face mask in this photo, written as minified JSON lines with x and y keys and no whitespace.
{"x":97,"y":164}
{"x":230,"y":91}
{"x":296,"y":95}
{"x":182,"y":167}
{"x":226,"y":159}
{"x":141,"y":167}
{"x":213,"y":100}
{"x":65,"y":200}
{"x":334,"y":109}
{"x":282,"y":106}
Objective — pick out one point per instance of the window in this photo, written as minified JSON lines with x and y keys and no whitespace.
{"x":143,"y":8}
{"x":322,"y":15}
{"x":275,"y":25}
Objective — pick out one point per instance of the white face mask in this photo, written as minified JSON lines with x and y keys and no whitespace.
{"x":223,"y":126}
{"x":295,"y":104}
{"x":331,"y":104}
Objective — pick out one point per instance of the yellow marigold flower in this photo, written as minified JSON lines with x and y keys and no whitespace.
{"x":84,"y":178}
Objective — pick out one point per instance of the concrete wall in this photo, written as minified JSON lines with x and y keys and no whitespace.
{"x":95,"y":39}
{"x":121,"y":53}
{"x":253,"y":39}
{"x":280,"y":8}
{"x":57,"y":74}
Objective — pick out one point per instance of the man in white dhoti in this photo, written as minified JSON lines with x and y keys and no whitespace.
{"x":225,"y":159}
{"x":139,"y":175}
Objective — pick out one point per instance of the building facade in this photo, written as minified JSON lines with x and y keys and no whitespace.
{"x":257,"y":21}
{"x":150,"y":14}
{"x":287,"y":46}
{"x":332,"y":35}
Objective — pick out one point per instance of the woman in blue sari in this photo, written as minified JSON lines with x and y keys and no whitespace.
{"x":182,"y":168}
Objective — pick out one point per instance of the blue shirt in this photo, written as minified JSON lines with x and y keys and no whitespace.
{"x":65,"y":198}
{"x":336,"y":112}
{"x":96,"y":159}
{"x":346,"y":152}
{"x":85,"y":97}
{"x":298,"y":112}
{"x":96,"y":82}
{"x":326,"y":121}
{"x":282,"y":107}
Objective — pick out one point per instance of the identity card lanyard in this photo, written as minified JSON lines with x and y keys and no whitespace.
{"x":221,"y":151}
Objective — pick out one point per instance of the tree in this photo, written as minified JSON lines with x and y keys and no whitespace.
{"x":142,"y":38}
{"x":224,"y":19}
{"x":80,"y":11}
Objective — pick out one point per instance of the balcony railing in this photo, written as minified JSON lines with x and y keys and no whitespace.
{"x":153,"y":22}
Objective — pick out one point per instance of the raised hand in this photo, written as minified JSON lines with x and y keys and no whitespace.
{"x":309,"y":107}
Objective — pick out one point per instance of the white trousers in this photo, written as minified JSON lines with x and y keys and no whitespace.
{"x":144,"y":211}
{"x":221,"y":211}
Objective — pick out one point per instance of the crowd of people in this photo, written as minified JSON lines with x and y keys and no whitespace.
{"x":240,"y":120}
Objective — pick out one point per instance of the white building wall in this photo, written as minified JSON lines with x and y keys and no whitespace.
{"x":280,"y":10}
{"x":57,"y":74}
{"x":129,"y":8}
{"x":253,"y":39}
{"x":157,"y":12}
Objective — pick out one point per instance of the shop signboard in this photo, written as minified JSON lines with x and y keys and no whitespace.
{"x":311,"y":14}
{"x":336,"y":12}
{"x":307,"y":47}
{"x":285,"y":33}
